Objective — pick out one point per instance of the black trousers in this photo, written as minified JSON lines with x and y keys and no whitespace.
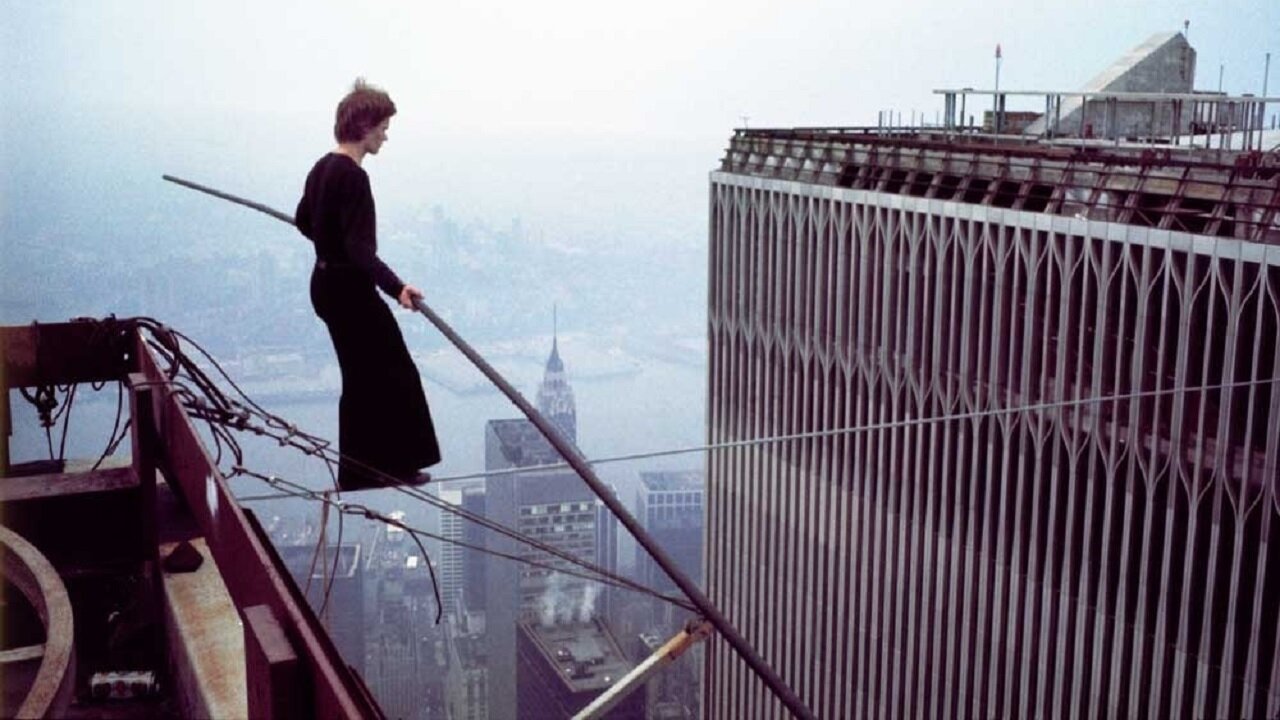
{"x":384,"y":423}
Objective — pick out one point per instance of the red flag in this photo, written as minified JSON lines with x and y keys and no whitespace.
{"x":997,"y":51}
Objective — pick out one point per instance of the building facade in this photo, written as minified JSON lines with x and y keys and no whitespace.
{"x":555,"y":396}
{"x":333,"y":580}
{"x":962,"y":523}
{"x":669,"y":505}
{"x":565,"y":665}
{"x":553,"y":506}
{"x":452,"y":570}
{"x":607,"y":527}
{"x":467,"y":681}
{"x":406,"y":655}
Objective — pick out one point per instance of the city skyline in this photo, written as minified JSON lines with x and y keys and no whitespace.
{"x":604,"y":186}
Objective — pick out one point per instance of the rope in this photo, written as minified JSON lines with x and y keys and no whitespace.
{"x":298,"y":491}
{"x":873,"y":427}
{"x":224,"y":414}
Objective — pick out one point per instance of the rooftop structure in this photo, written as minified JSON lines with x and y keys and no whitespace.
{"x":1136,"y":146}
{"x":673,"y":481}
{"x":298,"y":558}
{"x":1164,"y":63}
{"x":517,"y":443}
{"x":1215,"y":193}
{"x":219,"y":625}
{"x":585,"y":655}
{"x":564,"y":666}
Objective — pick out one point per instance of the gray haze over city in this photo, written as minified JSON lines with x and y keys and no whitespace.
{"x":544,"y":155}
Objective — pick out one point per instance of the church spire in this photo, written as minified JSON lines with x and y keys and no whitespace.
{"x":555,"y":397}
{"x":553,"y":362}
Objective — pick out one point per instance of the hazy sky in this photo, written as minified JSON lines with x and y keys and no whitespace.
{"x":671,"y":67}
{"x":582,"y":117}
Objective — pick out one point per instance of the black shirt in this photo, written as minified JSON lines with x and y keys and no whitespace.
{"x":336,"y":213}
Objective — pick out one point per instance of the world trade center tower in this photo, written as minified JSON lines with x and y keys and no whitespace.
{"x":993,"y":408}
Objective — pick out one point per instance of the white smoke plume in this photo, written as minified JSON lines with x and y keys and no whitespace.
{"x":560,"y":605}
{"x":588,"y":607}
{"x":548,"y":601}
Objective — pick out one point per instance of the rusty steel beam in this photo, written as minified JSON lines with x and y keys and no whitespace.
{"x":272,"y":661}
{"x":249,"y":567}
{"x":40,"y":487}
{"x":144,"y":444}
{"x":58,"y":354}
{"x":64,"y":353}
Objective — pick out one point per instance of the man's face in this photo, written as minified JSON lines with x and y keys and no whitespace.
{"x":378,"y":135}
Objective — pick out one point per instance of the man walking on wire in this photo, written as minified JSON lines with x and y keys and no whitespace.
{"x":385,"y":433}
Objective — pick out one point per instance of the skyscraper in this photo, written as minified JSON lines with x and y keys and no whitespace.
{"x":467,"y":694}
{"x":555,"y":397}
{"x":452,"y":556}
{"x":462,"y":580}
{"x":475,"y":564}
{"x":564,"y":666}
{"x":406,"y":658}
{"x":951,"y":532}
{"x":336,"y":585}
{"x":607,"y":526}
{"x":669,"y":505}
{"x":553,"y":506}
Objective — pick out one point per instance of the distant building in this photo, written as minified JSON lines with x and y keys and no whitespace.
{"x":467,"y":679}
{"x":475,"y":563}
{"x":607,"y":527}
{"x":669,"y":505}
{"x":555,"y":397}
{"x":406,"y":655}
{"x":461,"y":568}
{"x":452,"y":572}
{"x":343,"y":577}
{"x":554,"y":506}
{"x":564,"y":666}
{"x":561,"y":513}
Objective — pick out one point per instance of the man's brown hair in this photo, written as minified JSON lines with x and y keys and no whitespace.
{"x":363,"y":109}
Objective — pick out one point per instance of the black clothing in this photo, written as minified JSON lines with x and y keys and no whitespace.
{"x":337,"y":213}
{"x":383,"y":418}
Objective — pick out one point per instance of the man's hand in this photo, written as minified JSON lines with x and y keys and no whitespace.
{"x":408,"y":295}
